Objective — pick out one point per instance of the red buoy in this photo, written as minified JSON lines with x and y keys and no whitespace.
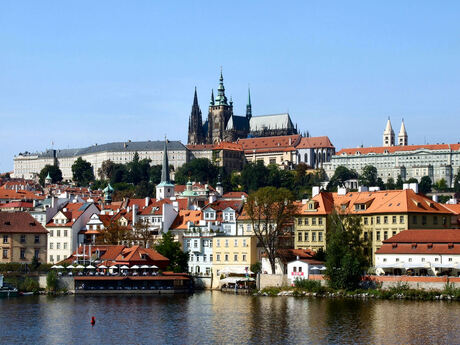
{"x":93,"y":321}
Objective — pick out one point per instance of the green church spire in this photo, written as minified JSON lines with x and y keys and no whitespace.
{"x":221,"y":99}
{"x":248,"y":106}
{"x":165,"y":168}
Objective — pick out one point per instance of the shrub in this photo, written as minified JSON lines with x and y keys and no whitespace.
{"x":29,"y":284}
{"x":52,"y":281}
{"x":309,"y":285}
{"x":271,"y":291}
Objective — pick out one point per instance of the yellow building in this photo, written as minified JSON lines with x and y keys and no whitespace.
{"x":22,"y":238}
{"x":383,"y":214}
{"x":232,"y":253}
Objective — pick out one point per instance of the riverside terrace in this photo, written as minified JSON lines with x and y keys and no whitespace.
{"x":119,"y":269}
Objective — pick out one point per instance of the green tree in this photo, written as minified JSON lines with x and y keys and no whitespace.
{"x":52,"y":281}
{"x":368,"y":176}
{"x":390,"y":185}
{"x":457,"y":182}
{"x":341,"y":175}
{"x":105,"y":171}
{"x":144,"y":189}
{"x":270,"y":210}
{"x":54,"y":171}
{"x":412,"y":180}
{"x":254,"y":176}
{"x":155,"y":174}
{"x":425,"y":184}
{"x":399,"y":182}
{"x":441,"y":185}
{"x":346,"y":257}
{"x":200,"y":170}
{"x":178,"y":260}
{"x":82,"y":172}
{"x":114,"y":234}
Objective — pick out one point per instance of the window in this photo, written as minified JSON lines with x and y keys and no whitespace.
{"x":226,"y":257}
{"x":299,"y":221}
{"x":244,"y":257}
{"x":377,"y":220}
{"x":450,"y":259}
{"x":65,"y":233}
{"x":365,"y":221}
{"x":306,"y":221}
{"x":320,"y":236}
{"x":235,"y":257}
{"x":191,"y":257}
{"x":385,"y":235}
{"x":423,"y":259}
{"x":313,"y":236}
{"x":394,"y":220}
{"x":37,"y":239}
{"x":58,"y":233}
{"x":365,"y":236}
{"x":436,"y":259}
{"x":294,"y":269}
{"x":23,"y":253}
{"x":210,"y":257}
{"x":320,"y":221}
{"x":313,"y":221}
{"x":204,"y":257}
{"x":51,"y":233}
{"x":410,"y":259}
{"x":195,"y":243}
{"x":58,"y":258}
{"x":397,"y":260}
{"x":217,"y":257}
{"x":393,"y":233}
{"x":300,"y":268}
{"x":226,"y":243}
{"x":401,"y":219}
{"x":378,"y":235}
{"x":235,"y":243}
{"x":36,"y":253}
{"x":305,"y":236}
{"x":65,"y":245}
{"x":385,"y":260}
{"x":208,"y":271}
{"x":217,"y":243}
{"x":5,"y":238}
{"x":414,"y":219}
{"x":197,"y":258}
{"x":423,"y":220}
{"x":5,"y":254}
{"x":23,"y":238}
{"x":51,"y":258}
{"x":51,"y":245}
{"x":435,"y":220}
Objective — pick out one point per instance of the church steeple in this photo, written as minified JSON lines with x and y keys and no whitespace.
{"x":221,"y":99}
{"x":195,"y":125}
{"x":402,"y":136}
{"x":248,"y":106}
{"x":165,"y":189}
{"x":388,"y":135}
{"x":212,"y":97}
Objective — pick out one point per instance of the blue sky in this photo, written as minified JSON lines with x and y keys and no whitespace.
{"x":78,"y":73}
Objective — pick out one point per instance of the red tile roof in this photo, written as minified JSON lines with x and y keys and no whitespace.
{"x":393,"y":149}
{"x":426,"y":236}
{"x":314,"y":142}
{"x":269,"y":144}
{"x":20,"y":222}
{"x":184,"y":217}
{"x":235,"y":195}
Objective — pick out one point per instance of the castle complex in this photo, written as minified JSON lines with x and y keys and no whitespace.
{"x":223,"y":125}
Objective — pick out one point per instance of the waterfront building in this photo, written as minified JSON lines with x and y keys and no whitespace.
{"x":199,"y":246}
{"x":28,"y":165}
{"x":302,"y":268}
{"x":22,"y":238}
{"x":427,"y":251}
{"x":283,"y":257}
{"x":233,"y":254}
{"x":223,"y":125}
{"x":383,"y":214}
{"x":221,"y":215}
{"x":67,"y":229}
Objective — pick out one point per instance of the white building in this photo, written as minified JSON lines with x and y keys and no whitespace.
{"x":421,"y":252}
{"x":28,"y":165}
{"x":199,"y":248}
{"x":64,"y":229}
{"x":301,"y":269}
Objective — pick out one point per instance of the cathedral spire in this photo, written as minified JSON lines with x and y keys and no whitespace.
{"x":212,"y":97}
{"x":221,"y":99}
{"x":165,"y":166}
{"x":248,"y":106}
{"x":195,"y":99}
{"x":195,"y":124}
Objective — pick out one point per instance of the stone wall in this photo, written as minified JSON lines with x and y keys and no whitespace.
{"x":202,"y":283}
{"x":63,"y":282}
{"x":267,"y":280}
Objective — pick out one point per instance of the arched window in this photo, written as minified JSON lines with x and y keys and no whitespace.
{"x":306,"y":157}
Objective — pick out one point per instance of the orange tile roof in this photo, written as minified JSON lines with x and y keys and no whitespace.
{"x":454,"y":208}
{"x":391,"y":201}
{"x":223,"y":145}
{"x":20,"y":195}
{"x":235,"y":195}
{"x":20,"y":222}
{"x":184,"y":217}
{"x":393,"y":149}
{"x":286,"y":142}
{"x":314,"y":142}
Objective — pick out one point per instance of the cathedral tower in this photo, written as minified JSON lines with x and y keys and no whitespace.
{"x":195,"y":124}
{"x":388,"y":135}
{"x":220,"y":112}
{"x":248,"y":106}
{"x":402,"y":136}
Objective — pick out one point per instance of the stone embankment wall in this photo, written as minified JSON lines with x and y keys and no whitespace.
{"x":202,"y":283}
{"x":67,"y":283}
{"x":437,"y":283}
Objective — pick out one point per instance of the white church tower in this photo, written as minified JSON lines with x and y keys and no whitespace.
{"x":402,"y":136}
{"x":388,"y":135}
{"x":165,"y":189}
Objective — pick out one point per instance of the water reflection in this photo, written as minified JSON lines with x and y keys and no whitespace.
{"x":212,"y":317}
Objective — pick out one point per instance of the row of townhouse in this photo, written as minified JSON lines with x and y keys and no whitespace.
{"x":383,"y":214}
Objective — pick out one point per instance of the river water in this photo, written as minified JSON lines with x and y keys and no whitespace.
{"x":218,"y":318}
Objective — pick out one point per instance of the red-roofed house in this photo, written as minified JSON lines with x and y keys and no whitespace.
{"x":427,"y":251}
{"x":65,"y":227}
{"x":222,"y":215}
{"x":315,"y":151}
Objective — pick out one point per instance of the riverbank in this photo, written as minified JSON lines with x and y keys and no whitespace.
{"x":401,"y":291}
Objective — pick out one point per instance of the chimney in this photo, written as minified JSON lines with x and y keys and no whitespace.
{"x":341,"y":191}
{"x":405,"y":186}
{"x":315,"y":191}
{"x":134,"y":214}
{"x":363,"y":189}
{"x":212,"y":198}
{"x":435,"y":197}
{"x":414,"y":187}
{"x":374,"y":189}
{"x":147,"y":201}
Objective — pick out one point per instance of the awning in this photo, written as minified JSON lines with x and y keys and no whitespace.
{"x":124,"y":267}
{"x":102,"y":266}
{"x":235,"y":270}
{"x":145,"y":266}
{"x":135,"y":267}
{"x":436,"y":265}
{"x":409,"y":265}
